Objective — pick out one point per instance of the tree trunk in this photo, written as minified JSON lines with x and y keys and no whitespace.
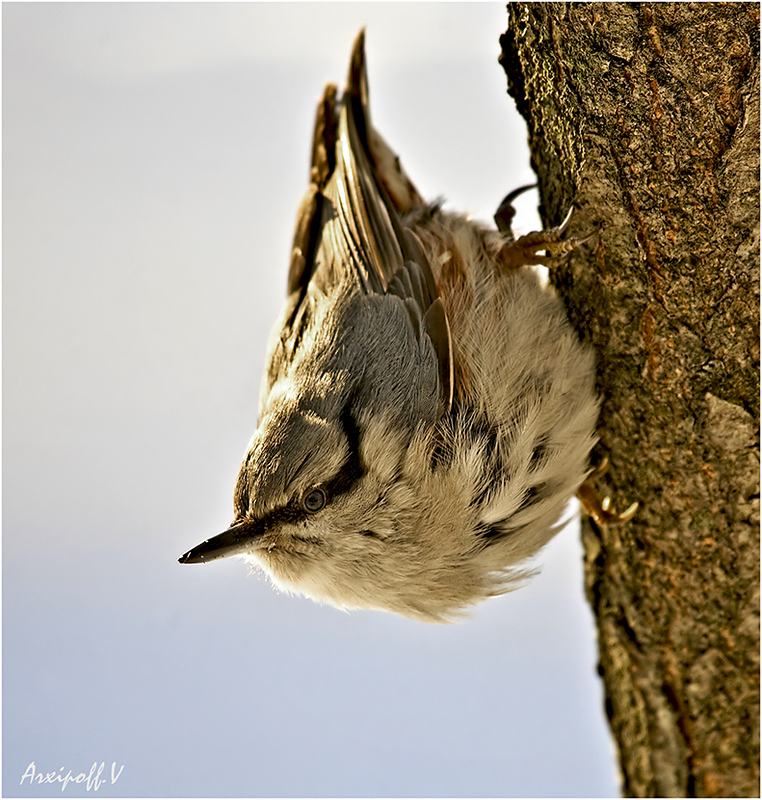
{"x":645,"y":117}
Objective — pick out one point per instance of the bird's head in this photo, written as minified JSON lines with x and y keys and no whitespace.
{"x":346,"y":506}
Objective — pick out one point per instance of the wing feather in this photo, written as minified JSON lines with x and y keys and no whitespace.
{"x":348,"y":228}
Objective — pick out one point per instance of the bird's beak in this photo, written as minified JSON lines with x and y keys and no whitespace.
{"x":242,"y":537}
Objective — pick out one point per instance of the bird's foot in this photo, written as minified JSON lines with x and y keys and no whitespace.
{"x":544,"y":247}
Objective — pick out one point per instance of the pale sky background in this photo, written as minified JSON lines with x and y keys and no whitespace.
{"x":153,"y":160}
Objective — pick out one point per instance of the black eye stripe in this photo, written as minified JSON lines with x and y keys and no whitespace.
{"x":291,"y":513}
{"x":342,"y":482}
{"x":352,"y":469}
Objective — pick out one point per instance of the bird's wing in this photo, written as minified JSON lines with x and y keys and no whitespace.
{"x":348,"y":228}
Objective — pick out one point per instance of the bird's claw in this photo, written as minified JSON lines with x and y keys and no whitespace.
{"x":506,"y":212}
{"x":600,"y":508}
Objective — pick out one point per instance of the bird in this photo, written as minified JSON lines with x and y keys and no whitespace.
{"x":426,"y":411}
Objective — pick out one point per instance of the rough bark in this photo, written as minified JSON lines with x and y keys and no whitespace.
{"x":646,"y":118}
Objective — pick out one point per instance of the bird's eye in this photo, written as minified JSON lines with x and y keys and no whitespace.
{"x":314,"y":500}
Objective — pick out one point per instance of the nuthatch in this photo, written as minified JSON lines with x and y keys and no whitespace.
{"x":427,"y":411}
